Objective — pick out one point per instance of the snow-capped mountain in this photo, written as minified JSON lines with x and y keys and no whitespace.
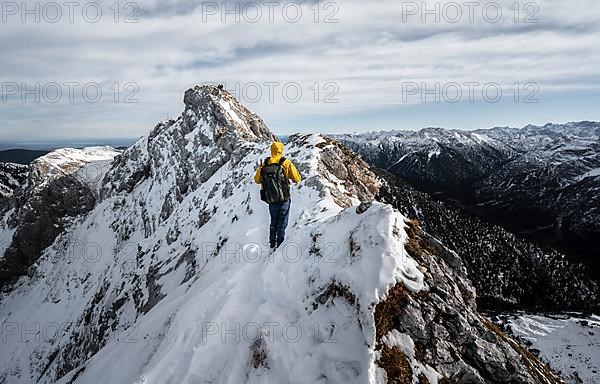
{"x":70,"y":161}
{"x":538,"y":180}
{"x":159,"y":274}
{"x":54,"y":190}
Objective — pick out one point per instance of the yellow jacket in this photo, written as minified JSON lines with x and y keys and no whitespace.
{"x":288,"y":167}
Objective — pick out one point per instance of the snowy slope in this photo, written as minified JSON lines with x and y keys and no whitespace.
{"x":88,"y":165}
{"x":167,"y":279}
{"x":570,"y":343}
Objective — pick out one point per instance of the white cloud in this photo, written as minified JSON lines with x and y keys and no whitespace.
{"x":368,"y":55}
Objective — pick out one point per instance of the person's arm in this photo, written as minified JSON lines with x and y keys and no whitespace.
{"x":257,"y":179}
{"x":291,"y":172}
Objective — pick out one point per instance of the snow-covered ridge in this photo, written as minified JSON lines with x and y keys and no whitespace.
{"x":87,"y":164}
{"x":70,"y":161}
{"x":171,"y":225}
{"x":167,"y":279}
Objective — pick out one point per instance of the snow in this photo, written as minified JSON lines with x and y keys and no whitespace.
{"x":222,"y":315}
{"x":241,"y":291}
{"x":231,"y":114}
{"x":481,"y":138}
{"x":591,"y":173}
{"x":64,"y":156}
{"x":204,"y":329}
{"x":569,"y":343}
{"x":434,"y":153}
{"x":68,"y":161}
{"x":399,"y":161}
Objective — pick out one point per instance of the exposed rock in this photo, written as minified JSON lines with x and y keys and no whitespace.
{"x":12,"y":176}
{"x":259,"y":354}
{"x":447,"y":332}
{"x":347,"y":174}
{"x":41,"y":212}
{"x":213,"y":127}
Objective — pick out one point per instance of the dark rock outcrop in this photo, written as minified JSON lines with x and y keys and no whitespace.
{"x":445,"y":330}
{"x":12,"y":176}
{"x":41,"y":214}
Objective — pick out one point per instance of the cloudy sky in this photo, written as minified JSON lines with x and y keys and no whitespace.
{"x":99,"y":70}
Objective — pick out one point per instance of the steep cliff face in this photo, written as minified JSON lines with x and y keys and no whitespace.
{"x":166,"y":276}
{"x":11,"y":177}
{"x":439,"y":327}
{"x":54,"y":191}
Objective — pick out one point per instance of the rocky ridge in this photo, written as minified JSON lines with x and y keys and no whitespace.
{"x":169,"y":280}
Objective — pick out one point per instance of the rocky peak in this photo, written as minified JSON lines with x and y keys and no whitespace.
{"x":213,"y":128}
{"x":346,"y":177}
{"x":224,"y":114}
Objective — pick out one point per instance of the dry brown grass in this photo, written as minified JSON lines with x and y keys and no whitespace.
{"x":396,"y":365}
{"x":416,"y":246}
{"x":387,"y":311}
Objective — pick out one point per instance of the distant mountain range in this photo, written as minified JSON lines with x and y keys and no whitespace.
{"x":540,"y":181}
{"x":52,"y":144}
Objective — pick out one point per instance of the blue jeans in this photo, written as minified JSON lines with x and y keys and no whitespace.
{"x":279,"y":220}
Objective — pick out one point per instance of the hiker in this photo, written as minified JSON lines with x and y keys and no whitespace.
{"x":274,"y":175}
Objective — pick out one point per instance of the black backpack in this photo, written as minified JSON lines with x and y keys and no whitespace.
{"x":275,"y":184}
